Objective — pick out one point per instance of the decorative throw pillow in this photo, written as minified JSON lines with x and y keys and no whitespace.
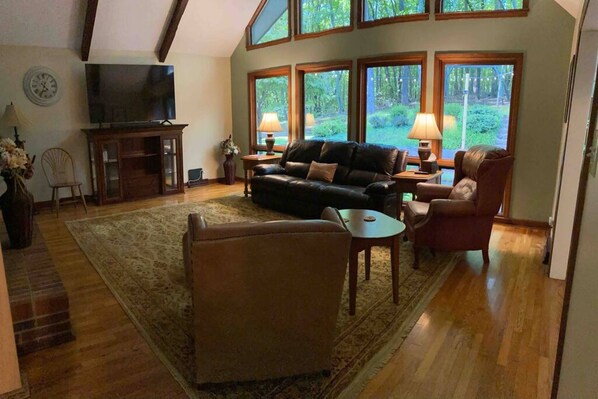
{"x":466,"y":189}
{"x":321,"y":171}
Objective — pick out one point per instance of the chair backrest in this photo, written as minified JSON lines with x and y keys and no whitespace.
{"x":266,"y":296}
{"x":489,"y":168}
{"x":58,"y":167}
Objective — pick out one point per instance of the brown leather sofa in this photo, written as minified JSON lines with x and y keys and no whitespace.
{"x":263,"y":309}
{"x":460,"y":217}
{"x":362,"y":178}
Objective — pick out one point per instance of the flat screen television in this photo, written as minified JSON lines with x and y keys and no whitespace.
{"x":130,"y":93}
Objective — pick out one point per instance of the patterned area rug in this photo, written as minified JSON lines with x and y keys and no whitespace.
{"x":139,"y":256}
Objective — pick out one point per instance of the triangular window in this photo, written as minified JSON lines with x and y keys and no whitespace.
{"x":270,"y":23}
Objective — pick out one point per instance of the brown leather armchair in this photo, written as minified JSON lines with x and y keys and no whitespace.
{"x":266,"y":296}
{"x":460,"y":217}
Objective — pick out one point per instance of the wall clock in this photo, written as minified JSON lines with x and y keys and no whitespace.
{"x":42,"y":86}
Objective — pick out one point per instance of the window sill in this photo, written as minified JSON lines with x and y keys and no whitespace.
{"x":260,"y":147}
{"x":393,"y":20}
{"x":301,"y":36}
{"x":268,"y":44}
{"x":442,"y":16}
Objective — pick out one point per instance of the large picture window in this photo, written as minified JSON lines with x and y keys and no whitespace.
{"x":448,"y":9}
{"x":324,"y":100}
{"x":317,"y":17}
{"x":269,"y":92}
{"x":269,"y":25}
{"x":378,"y":12}
{"x":391,"y":93}
{"x":477,"y":102}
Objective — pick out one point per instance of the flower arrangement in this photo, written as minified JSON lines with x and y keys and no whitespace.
{"x":228,"y":147}
{"x":14,"y":161}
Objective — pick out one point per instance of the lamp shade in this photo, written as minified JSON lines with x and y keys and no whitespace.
{"x":310,"y":120}
{"x":270,"y":123}
{"x":13,"y":117}
{"x":425,"y":128}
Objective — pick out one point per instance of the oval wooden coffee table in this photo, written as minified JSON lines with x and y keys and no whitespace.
{"x":382,"y":232}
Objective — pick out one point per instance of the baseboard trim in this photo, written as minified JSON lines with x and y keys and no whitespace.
{"x":523,"y":222}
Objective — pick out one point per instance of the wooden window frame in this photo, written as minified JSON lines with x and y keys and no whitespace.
{"x":362,"y":23}
{"x":440,"y":62}
{"x":440,"y":15}
{"x":328,"y":66}
{"x":251,"y":79}
{"x":248,"y":39}
{"x":418,"y":58}
{"x":297,"y":22}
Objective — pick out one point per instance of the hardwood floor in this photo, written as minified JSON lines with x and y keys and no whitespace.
{"x":490,"y":332}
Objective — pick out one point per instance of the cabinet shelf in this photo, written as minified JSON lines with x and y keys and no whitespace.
{"x":133,"y":155}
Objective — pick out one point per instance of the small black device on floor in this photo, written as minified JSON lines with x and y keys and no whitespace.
{"x":195,"y":178}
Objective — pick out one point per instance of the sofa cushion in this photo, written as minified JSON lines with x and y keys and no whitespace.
{"x":321,"y":171}
{"x":372,"y":163}
{"x":343,"y":196}
{"x":306,"y":190}
{"x":340,"y":152}
{"x":272,"y":183}
{"x":303,"y":151}
{"x":297,"y":169}
{"x":415,"y":212}
{"x":466,"y":189}
{"x":375,"y":158}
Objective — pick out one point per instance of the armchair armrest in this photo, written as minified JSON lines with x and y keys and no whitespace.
{"x":268,"y":169}
{"x":381,"y":187}
{"x":195,"y":223}
{"x":451,"y":208}
{"x":427,"y":192}
{"x":332,"y":215}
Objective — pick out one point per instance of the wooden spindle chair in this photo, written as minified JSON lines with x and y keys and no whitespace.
{"x":60,"y":172}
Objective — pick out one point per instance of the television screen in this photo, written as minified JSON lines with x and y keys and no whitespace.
{"x":130,"y":93}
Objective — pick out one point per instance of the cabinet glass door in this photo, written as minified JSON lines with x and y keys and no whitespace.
{"x":111,"y":169}
{"x":170,"y":157}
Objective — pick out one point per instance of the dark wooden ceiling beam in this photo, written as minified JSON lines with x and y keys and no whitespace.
{"x":173,"y":25}
{"x":90,"y":19}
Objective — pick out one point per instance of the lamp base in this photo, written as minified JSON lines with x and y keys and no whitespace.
{"x":270,"y":144}
{"x":424,"y":150}
{"x":18,"y":142}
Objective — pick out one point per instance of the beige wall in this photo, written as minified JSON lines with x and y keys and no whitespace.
{"x":202,"y":88}
{"x":544,"y":37}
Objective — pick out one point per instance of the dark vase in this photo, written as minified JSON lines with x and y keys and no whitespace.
{"x":229,"y":169}
{"x":17,"y":212}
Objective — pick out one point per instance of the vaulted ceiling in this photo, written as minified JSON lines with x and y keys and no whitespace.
{"x":207,"y":27}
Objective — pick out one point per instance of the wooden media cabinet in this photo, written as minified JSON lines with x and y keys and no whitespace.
{"x":135,"y":162}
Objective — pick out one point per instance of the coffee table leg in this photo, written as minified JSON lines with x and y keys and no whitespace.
{"x":394,"y":261}
{"x":368,"y":262}
{"x":353,"y":280}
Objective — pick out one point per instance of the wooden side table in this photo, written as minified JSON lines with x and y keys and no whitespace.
{"x":382,"y":232}
{"x":406,"y":182}
{"x":249,"y":161}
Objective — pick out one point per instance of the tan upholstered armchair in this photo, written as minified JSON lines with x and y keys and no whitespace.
{"x":266,"y":296}
{"x":460,"y":217}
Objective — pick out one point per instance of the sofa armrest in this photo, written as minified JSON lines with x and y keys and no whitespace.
{"x":451,"y":208}
{"x":381,"y":187}
{"x":268,"y":169}
{"x":427,"y":192}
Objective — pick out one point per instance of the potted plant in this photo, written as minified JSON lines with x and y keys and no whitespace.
{"x":229,"y":150}
{"x":16,"y":202}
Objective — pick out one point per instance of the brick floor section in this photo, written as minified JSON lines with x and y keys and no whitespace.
{"x":38,"y":301}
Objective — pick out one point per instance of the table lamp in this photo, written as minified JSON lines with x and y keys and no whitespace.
{"x":14,"y":118}
{"x":270,"y":125}
{"x":424,"y":129}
